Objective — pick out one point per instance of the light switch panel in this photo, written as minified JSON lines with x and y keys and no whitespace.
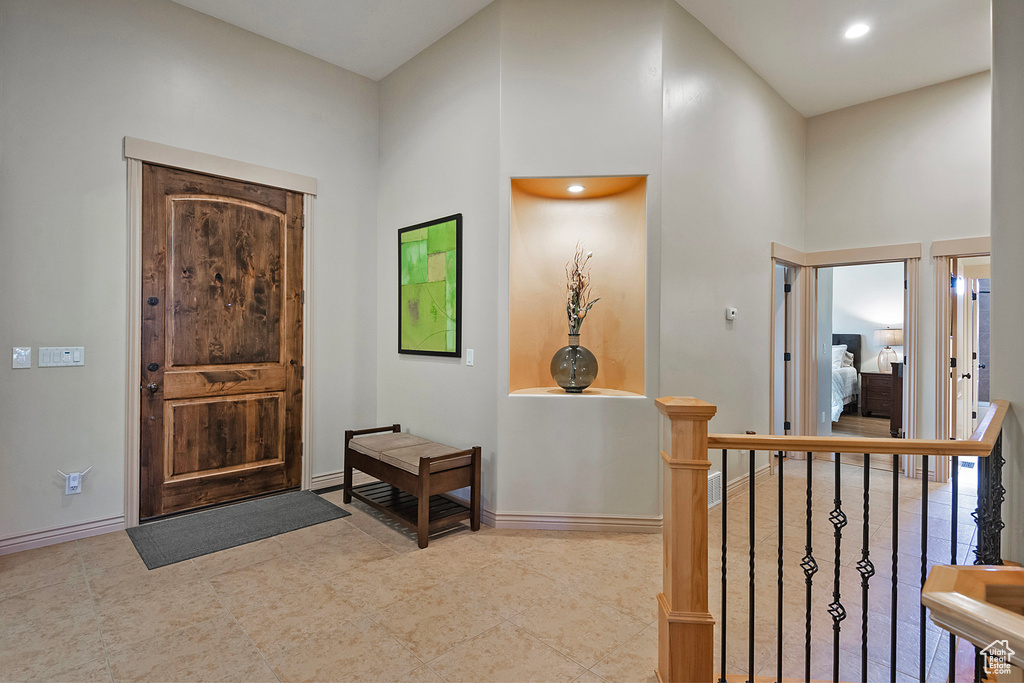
{"x":22,"y":357}
{"x":61,"y":356}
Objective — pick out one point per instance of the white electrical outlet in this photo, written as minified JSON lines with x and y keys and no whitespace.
{"x":22,"y":357}
{"x":824,"y":416}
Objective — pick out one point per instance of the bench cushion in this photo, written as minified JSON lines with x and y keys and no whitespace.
{"x":374,"y":444}
{"x":408,"y":458}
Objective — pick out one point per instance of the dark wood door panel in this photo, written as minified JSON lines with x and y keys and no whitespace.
{"x":212,"y":435}
{"x":221,"y":340}
{"x":224,"y":278}
{"x":224,"y":382}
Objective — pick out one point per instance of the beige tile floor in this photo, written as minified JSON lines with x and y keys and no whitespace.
{"x":354,"y":599}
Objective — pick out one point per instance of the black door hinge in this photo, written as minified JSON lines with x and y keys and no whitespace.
{"x":302,"y":372}
{"x":904,"y":283}
{"x":974,"y":415}
{"x":952,"y":281}
{"x":786,"y":426}
{"x":302,"y":296}
{"x":787,"y":356}
{"x":787,"y":288}
{"x":974,"y":355}
{"x":952,"y":362}
{"x":974,"y":296}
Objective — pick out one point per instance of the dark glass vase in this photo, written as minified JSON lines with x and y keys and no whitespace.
{"x":574,"y":367}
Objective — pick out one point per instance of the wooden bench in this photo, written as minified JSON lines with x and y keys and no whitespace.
{"x":414,"y":473}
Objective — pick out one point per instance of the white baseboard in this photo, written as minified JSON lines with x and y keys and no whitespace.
{"x":329,"y":479}
{"x":638,"y":524}
{"x":38,"y":539}
{"x":741,"y":481}
{"x":643,"y":524}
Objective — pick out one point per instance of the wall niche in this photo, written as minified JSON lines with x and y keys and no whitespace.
{"x":609,"y":216}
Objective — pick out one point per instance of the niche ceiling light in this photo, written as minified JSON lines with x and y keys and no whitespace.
{"x":575,"y":189}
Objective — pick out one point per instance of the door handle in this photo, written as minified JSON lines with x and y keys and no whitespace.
{"x":966,"y":375}
{"x":152,"y":387}
{"x":982,"y":366}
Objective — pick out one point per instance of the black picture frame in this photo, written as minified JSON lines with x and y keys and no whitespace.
{"x":419,"y":287}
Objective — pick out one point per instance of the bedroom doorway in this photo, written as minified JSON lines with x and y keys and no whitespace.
{"x":811,"y":306}
{"x":860,"y":388}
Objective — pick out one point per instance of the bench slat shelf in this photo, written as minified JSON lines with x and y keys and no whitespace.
{"x":393,"y":500}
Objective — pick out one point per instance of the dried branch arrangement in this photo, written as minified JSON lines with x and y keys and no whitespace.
{"x":577,"y":289}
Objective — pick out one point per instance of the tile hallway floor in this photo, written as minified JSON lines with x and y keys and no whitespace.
{"x":354,"y":599}
{"x":351,"y":599}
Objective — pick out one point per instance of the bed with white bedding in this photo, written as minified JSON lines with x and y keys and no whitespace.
{"x":845,"y":377}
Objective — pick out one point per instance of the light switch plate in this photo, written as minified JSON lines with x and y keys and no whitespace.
{"x":22,"y":357}
{"x":469,"y":357}
{"x":61,"y":356}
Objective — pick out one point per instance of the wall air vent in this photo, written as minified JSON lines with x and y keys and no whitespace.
{"x":714,"y":489}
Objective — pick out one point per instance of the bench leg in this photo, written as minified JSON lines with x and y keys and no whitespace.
{"x":347,"y":495}
{"x":423,"y":519}
{"x":474,"y":493}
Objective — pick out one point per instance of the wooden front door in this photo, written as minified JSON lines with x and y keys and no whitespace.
{"x":221,"y":340}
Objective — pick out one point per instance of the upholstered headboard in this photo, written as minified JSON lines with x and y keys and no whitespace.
{"x":852,"y":342}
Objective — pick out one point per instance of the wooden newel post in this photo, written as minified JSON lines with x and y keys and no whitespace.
{"x":685,"y":626}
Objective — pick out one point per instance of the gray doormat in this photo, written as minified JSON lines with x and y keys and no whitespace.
{"x":201,"y":533}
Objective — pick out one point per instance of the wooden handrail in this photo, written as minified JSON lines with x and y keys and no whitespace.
{"x":981,"y":604}
{"x":980,"y":443}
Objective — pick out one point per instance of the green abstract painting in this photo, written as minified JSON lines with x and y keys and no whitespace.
{"x":430,"y":288}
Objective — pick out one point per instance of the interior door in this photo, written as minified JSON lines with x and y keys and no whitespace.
{"x":221,"y":340}
{"x":962,"y":372}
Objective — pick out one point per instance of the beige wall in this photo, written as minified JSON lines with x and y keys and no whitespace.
{"x":733,"y":161}
{"x":913,"y":167}
{"x":1008,"y":253}
{"x":580,"y":96}
{"x":439,"y":156}
{"x":75,"y":78}
{"x":544,"y":231}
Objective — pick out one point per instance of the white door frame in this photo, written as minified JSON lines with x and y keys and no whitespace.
{"x":943,"y":252}
{"x":806,"y":342}
{"x":137,"y":152}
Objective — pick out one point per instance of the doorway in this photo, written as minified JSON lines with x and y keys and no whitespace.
{"x":811,"y":342}
{"x":221,"y":341}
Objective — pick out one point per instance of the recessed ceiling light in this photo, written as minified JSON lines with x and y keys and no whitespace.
{"x":575,"y":188}
{"x":856,"y":31}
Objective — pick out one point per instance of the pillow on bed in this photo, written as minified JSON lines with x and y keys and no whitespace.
{"x":837,"y":356}
{"x":847,"y":359}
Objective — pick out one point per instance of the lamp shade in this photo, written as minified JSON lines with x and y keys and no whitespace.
{"x":890,"y":337}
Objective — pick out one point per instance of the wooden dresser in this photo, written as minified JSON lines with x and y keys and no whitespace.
{"x":875,"y":394}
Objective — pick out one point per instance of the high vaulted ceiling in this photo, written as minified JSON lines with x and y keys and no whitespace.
{"x":797,"y":46}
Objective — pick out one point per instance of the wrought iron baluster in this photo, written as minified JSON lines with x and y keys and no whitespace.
{"x":924,"y":557}
{"x":778,"y":625}
{"x":835,"y":608}
{"x":725,"y":536}
{"x":989,"y":516}
{"x":867,"y":570}
{"x":952,"y":554}
{"x":895,"y":562}
{"x":750,"y":625}
{"x":810,"y":567}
